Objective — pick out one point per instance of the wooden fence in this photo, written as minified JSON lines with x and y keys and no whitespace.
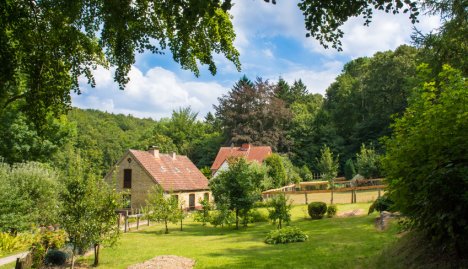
{"x":367,"y":189}
{"x":126,"y":214}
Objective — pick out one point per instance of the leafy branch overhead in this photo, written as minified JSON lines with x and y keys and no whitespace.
{"x":323,"y":19}
{"x":46,"y":45}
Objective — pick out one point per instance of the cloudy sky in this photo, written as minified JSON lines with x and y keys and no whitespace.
{"x":272,"y":43}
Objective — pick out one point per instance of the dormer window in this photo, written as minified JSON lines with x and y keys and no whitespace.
{"x":127,"y":184}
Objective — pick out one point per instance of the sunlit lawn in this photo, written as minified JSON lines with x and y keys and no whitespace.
{"x":333,"y":243}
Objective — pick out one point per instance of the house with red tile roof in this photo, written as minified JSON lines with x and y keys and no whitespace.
{"x":138,"y":171}
{"x":248,"y":151}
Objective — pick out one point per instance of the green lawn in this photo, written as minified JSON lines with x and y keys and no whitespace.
{"x":333,"y":243}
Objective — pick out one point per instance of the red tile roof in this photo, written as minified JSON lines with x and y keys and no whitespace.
{"x":251,"y":153}
{"x":178,"y":174}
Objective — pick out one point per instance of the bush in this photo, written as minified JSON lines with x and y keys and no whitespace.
{"x":257,"y":216}
{"x":55,"y":257}
{"x":10,"y":243}
{"x":260,"y":204}
{"x":317,"y":210}
{"x":286,"y":235}
{"x":383,"y":203}
{"x":349,"y":169}
{"x":331,"y":211}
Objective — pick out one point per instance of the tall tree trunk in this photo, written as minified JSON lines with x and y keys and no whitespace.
{"x":237,"y":219}
{"x":332,"y":190}
{"x":165,"y":223}
{"x":96,"y":254}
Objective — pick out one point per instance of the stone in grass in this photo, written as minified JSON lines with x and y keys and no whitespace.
{"x":165,"y":262}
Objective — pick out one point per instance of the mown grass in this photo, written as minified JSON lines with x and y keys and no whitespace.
{"x":333,"y":243}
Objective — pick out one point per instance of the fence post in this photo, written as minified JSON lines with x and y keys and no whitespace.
{"x":138,"y":221}
{"x":126,"y":221}
{"x":378,"y":194}
{"x":355,"y":196}
{"x":306,"y":201}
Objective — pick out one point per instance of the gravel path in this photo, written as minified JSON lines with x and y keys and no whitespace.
{"x":12,"y":258}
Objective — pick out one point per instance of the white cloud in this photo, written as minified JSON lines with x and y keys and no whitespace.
{"x":387,"y":31}
{"x":317,"y":81}
{"x":153,"y":94}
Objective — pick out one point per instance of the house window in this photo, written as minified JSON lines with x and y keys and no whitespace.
{"x":127,"y":184}
{"x":206,"y":196}
{"x":192,"y":201}
{"x":127,"y":201}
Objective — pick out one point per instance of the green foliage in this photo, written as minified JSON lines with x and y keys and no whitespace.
{"x":222,"y":215}
{"x":426,"y":159}
{"x":10,"y":243}
{"x":317,"y":209}
{"x":368,"y":162}
{"x":206,"y":171}
{"x":88,"y":209}
{"x":238,"y":187}
{"x":43,"y":57}
{"x":323,"y":20}
{"x":280,"y":210}
{"x":331,"y":211}
{"x":256,"y":215}
{"x":251,"y":113}
{"x":286,"y":235}
{"x":383,"y":203}
{"x":162,"y":207}
{"x":305,"y":173}
{"x":28,"y":196}
{"x":55,"y":257}
{"x":44,"y":241}
{"x":349,"y":169}
{"x":203,"y":215}
{"x":276,"y":170}
{"x":327,"y":164}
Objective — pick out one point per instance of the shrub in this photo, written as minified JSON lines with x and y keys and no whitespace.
{"x":203,"y":215}
{"x":349,"y":169}
{"x":383,"y":203}
{"x":280,"y":210}
{"x":10,"y":243}
{"x":55,"y":257}
{"x":286,"y":235}
{"x":317,"y":210}
{"x":259,"y":204}
{"x":331,"y":211}
{"x":257,"y":216}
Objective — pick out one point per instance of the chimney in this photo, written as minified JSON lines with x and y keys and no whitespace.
{"x":153,"y":150}
{"x":245,"y":147}
{"x":173,"y":155}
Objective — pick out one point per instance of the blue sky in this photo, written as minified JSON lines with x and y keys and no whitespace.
{"x":272,"y":43}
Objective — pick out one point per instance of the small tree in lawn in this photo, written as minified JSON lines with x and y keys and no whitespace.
{"x":161,"y":208}
{"x":238,"y":187}
{"x":204,"y":215}
{"x":328,"y":166}
{"x":367,"y":162}
{"x":279,"y":209}
{"x":104,"y":202}
{"x":88,"y":210}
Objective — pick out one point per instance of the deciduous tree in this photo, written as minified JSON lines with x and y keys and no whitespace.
{"x":238,"y":187}
{"x":426,"y":159}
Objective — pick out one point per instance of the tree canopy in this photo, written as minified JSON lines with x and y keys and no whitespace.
{"x":426,"y":159}
{"x":47,"y":45}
